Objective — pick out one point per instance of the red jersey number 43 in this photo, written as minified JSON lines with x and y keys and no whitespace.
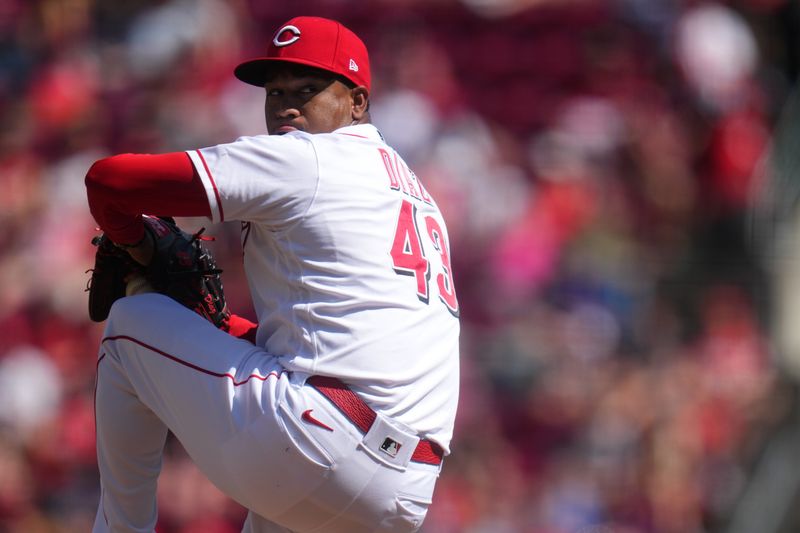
{"x":408,"y":256}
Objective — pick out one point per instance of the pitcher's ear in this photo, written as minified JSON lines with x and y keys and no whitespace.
{"x":360,"y":102}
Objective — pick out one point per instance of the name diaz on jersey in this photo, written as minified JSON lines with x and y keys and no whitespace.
{"x":407,"y":252}
{"x":401,"y":178}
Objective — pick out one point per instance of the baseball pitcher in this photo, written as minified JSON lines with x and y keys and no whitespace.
{"x":338,"y":414}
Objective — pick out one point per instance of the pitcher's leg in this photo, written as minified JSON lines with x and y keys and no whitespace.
{"x":130,"y":441}
{"x":204,"y":384}
{"x":170,"y":367}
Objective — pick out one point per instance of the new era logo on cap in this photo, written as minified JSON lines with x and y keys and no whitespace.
{"x":315,"y":42}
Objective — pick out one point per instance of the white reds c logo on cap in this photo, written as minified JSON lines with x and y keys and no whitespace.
{"x":292,"y":29}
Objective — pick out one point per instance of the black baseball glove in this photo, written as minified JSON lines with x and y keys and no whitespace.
{"x":181,"y":268}
{"x":113,"y":267}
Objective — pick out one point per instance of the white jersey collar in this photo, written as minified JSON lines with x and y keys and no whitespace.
{"x":367,"y":131}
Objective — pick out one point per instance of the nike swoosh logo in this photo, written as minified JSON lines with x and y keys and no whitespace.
{"x":311,"y":420}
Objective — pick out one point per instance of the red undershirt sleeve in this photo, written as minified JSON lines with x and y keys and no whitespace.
{"x":122,"y":188}
{"x":242,"y":328}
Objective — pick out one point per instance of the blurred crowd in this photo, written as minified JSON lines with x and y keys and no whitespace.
{"x":596,"y":160}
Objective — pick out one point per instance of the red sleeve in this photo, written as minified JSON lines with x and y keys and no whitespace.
{"x":241,"y":327}
{"x":121,"y":188}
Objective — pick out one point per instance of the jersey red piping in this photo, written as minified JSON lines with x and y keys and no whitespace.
{"x":213,"y":184}
{"x":191,"y":365}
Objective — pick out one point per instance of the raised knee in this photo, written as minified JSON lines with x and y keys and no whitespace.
{"x":132,"y":309}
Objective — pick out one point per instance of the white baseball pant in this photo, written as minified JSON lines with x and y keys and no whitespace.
{"x":240,"y":417}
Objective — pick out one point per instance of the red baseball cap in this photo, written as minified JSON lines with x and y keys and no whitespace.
{"x":315,"y":42}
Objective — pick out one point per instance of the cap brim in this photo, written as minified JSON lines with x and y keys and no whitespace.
{"x":255,"y":71}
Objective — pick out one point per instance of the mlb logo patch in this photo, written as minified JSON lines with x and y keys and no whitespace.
{"x":390,"y":447}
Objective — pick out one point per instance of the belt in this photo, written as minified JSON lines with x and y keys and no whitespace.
{"x":362,"y":415}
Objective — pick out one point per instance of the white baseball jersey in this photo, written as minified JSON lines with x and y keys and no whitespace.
{"x":348,"y":261}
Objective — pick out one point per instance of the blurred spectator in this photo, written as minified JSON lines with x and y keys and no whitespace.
{"x":595,"y":161}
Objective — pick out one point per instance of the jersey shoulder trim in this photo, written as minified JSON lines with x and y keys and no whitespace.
{"x":214,"y":202}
